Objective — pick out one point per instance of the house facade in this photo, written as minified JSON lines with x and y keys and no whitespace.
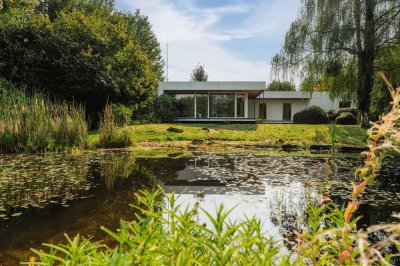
{"x":238,"y":101}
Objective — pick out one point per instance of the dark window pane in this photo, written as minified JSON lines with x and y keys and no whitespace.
{"x":222,"y":105}
{"x":185,"y":105}
{"x":201,"y":108}
{"x":240,"y":99}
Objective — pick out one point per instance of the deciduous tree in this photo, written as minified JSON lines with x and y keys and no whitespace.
{"x":199,"y":74}
{"x":277,"y":85}
{"x":341,"y":40}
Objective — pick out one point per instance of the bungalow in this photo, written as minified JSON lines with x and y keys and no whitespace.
{"x":238,"y":101}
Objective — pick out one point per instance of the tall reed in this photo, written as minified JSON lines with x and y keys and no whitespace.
{"x":33,"y":123}
{"x":110,"y":135}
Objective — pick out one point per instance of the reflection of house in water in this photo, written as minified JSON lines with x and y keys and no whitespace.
{"x":219,"y":175}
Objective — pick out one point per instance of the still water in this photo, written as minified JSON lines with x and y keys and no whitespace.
{"x":44,"y":197}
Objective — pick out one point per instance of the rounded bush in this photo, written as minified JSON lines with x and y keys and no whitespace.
{"x":332,"y":115}
{"x":311,"y":115}
{"x":346,"y":118}
{"x":353,"y":111}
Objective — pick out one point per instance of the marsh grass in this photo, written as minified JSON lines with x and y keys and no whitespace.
{"x":110,"y":134}
{"x":33,"y":123}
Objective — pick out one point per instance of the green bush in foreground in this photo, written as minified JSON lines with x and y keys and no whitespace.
{"x":166,"y":234}
{"x":33,"y":123}
{"x":110,"y":135}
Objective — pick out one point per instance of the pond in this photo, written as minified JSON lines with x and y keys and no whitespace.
{"x":43,"y":197}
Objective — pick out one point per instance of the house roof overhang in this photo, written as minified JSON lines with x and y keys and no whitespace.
{"x":284,"y":95}
{"x":252,"y":88}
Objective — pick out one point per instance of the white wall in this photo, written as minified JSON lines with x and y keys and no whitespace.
{"x":275,"y":108}
{"x":250,"y":104}
{"x":322,"y":99}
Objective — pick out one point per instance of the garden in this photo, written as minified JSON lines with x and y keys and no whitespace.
{"x":95,"y":171}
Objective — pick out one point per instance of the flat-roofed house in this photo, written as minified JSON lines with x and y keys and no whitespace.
{"x":214,"y":100}
{"x":240,"y":101}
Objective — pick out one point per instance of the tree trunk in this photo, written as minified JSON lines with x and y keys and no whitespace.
{"x":365,"y":84}
{"x":366,"y":64}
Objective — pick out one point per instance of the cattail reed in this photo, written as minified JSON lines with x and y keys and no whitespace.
{"x":33,"y":123}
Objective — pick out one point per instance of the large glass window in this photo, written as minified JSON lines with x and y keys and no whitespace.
{"x":185,"y":105}
{"x":201,"y":105}
{"x":222,"y":105}
{"x":240,"y":100}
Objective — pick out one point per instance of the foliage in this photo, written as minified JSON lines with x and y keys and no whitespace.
{"x":388,"y":61}
{"x":337,"y":43}
{"x":353,"y":111}
{"x":167,"y":109}
{"x":122,"y":114}
{"x":199,"y":74}
{"x":311,"y":115}
{"x":332,"y":137}
{"x":281,"y":86}
{"x":32,"y":123}
{"x":340,"y":243}
{"x":76,"y":49}
{"x":168,"y":234}
{"x":346,"y":118}
{"x":110,"y":135}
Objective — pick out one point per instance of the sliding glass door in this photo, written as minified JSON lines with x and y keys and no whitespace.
{"x":211,"y":105}
{"x":201,"y":105}
{"x":222,"y":105}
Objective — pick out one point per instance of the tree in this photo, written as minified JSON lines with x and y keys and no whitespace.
{"x":340,"y":40}
{"x":199,"y":74}
{"x":277,"y":85}
{"x":83,"y":51}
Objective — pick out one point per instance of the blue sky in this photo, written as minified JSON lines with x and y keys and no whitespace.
{"x":234,"y":40}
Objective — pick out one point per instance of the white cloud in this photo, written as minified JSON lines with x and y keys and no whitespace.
{"x":193,"y":36}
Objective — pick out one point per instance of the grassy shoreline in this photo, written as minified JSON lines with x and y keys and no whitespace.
{"x":220,"y":136}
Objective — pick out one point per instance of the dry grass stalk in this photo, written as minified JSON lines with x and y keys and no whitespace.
{"x":384,"y":140}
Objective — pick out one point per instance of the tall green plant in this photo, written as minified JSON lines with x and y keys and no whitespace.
{"x":34,"y":123}
{"x":165,"y":233}
{"x":110,"y":135}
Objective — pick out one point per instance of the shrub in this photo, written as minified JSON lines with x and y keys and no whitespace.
{"x":332,"y":115}
{"x":165,"y":234}
{"x":122,"y":114}
{"x":311,"y":115}
{"x":175,"y":130}
{"x":33,"y":123}
{"x":353,"y":111}
{"x":346,"y":118}
{"x":110,"y":135}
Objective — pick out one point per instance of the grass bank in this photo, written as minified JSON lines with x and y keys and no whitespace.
{"x":274,"y":135}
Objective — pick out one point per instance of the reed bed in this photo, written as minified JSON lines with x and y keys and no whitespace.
{"x":110,"y":135}
{"x":33,"y":123}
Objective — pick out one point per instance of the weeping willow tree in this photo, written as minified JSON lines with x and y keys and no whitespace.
{"x":337,"y":42}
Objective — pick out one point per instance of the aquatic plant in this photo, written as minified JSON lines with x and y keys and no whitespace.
{"x":341,"y":243}
{"x":332,"y":137}
{"x":384,"y":140}
{"x":32,"y":122}
{"x":110,"y":135}
{"x":30,"y":182}
{"x":164,"y":233}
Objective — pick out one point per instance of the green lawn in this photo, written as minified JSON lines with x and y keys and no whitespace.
{"x":274,"y":134}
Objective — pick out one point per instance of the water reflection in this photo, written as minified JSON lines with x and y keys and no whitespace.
{"x":43,"y":197}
